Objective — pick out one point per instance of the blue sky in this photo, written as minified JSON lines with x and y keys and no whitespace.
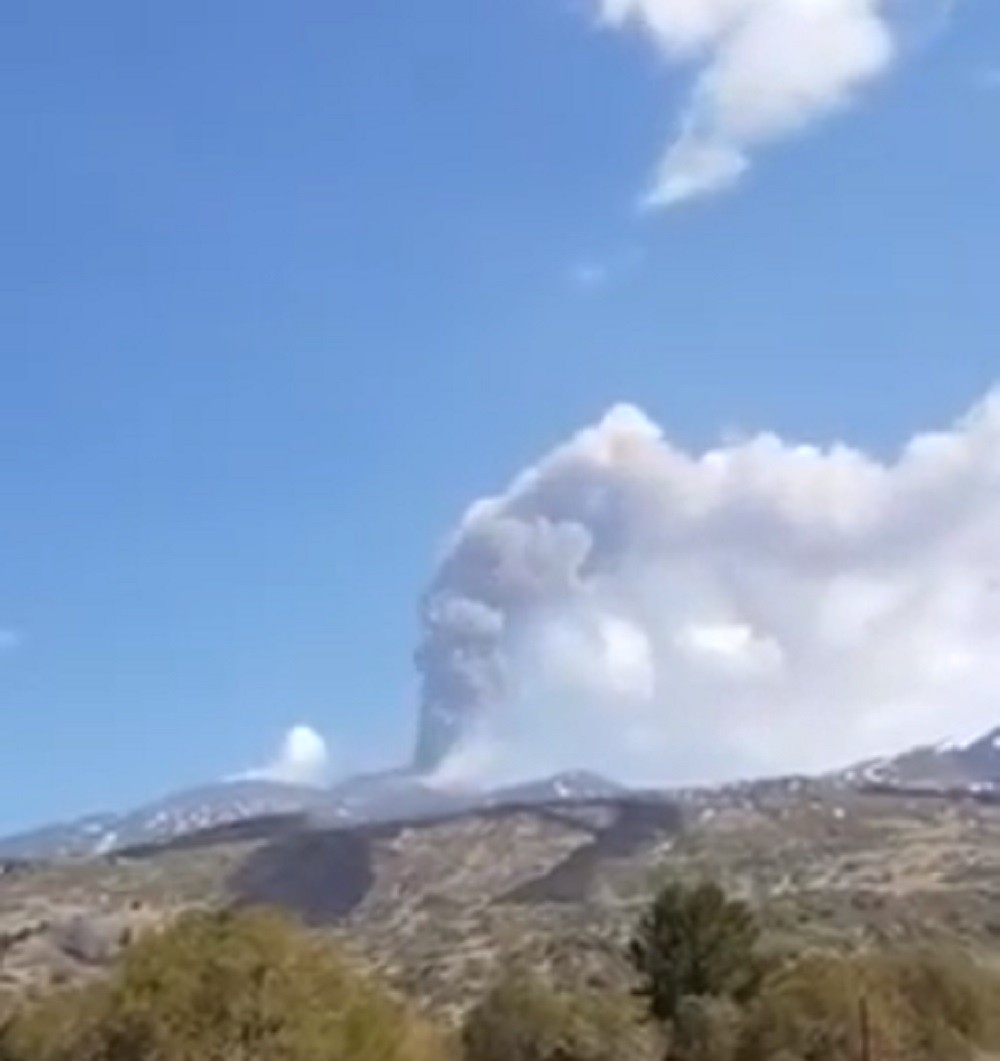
{"x":285,"y":287}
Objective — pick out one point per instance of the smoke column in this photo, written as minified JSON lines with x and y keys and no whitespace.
{"x":627,"y":606}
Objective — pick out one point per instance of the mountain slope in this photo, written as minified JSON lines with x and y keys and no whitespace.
{"x":947,"y":765}
{"x":175,"y":815}
{"x":436,"y":904}
{"x":395,"y":795}
{"x":391,"y":795}
{"x":569,"y":785}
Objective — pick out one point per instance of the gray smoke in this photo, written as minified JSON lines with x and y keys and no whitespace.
{"x":629,"y":607}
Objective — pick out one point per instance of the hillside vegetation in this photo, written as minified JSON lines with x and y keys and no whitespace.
{"x":254,"y":985}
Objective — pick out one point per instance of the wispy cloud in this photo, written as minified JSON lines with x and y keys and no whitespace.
{"x":763,"y":70}
{"x":598,"y":272}
{"x":589,"y":275}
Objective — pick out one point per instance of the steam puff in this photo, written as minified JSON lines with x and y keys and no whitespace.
{"x":674,"y":617}
{"x":303,"y":759}
{"x":765,"y":68}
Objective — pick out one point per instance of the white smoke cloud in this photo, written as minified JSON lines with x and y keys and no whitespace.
{"x":761,"y":607}
{"x":764,"y":69}
{"x":302,"y":759}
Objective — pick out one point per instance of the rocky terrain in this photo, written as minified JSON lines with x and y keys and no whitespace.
{"x":436,"y":902}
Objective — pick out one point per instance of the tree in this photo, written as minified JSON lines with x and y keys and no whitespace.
{"x":695,"y":941}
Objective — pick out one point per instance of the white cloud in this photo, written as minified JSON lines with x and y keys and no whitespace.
{"x":302,"y":759}
{"x":764,"y":69}
{"x":764,"y":606}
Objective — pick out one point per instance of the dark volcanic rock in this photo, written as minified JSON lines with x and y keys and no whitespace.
{"x":635,"y":824}
{"x":320,"y":874}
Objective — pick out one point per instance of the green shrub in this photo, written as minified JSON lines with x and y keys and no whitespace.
{"x":522,"y":1019}
{"x":243,"y":986}
{"x":811,"y":1008}
{"x":706,"y":1029}
{"x":917,"y":1005}
{"x":953,"y":1002}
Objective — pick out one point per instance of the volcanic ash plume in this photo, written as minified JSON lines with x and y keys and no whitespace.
{"x":629,"y":607}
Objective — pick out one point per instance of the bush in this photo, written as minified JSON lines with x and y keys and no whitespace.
{"x":922,"y":1006}
{"x":706,"y":1029}
{"x":242,"y":986}
{"x":812,"y":1009}
{"x":522,"y":1019}
{"x":953,"y":1003}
